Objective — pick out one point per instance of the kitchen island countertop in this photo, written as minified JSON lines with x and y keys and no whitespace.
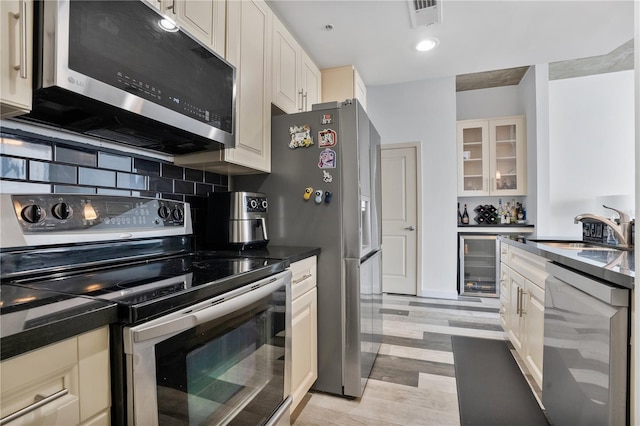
{"x":616,"y":267}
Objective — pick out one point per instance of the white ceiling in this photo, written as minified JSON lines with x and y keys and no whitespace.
{"x":475,"y":36}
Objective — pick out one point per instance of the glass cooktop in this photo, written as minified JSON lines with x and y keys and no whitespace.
{"x":150,"y":288}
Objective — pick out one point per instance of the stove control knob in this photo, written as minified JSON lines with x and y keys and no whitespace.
{"x":32,"y":213}
{"x":164,"y":212}
{"x":177,"y":214}
{"x":61,"y":211}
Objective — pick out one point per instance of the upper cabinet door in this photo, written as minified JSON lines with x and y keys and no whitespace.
{"x":311,"y":82}
{"x":16,"y":27}
{"x":491,"y":157}
{"x":507,"y":167}
{"x":473,"y":157}
{"x":296,"y":79}
{"x":285,"y":60}
{"x":249,"y":49}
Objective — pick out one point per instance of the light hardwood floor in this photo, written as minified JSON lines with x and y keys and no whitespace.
{"x":413,"y":379}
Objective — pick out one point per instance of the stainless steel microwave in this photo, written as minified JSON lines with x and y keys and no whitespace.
{"x":119,"y":70}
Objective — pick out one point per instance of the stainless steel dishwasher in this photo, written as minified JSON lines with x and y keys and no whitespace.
{"x":586,"y":344}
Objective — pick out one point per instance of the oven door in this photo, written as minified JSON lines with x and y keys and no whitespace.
{"x":224,"y":360}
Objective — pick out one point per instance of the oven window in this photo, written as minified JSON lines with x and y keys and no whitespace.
{"x":230,"y":371}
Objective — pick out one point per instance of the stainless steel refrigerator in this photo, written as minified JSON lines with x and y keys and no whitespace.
{"x":324,"y":191}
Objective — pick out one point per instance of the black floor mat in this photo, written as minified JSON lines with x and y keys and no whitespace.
{"x":491,"y":388}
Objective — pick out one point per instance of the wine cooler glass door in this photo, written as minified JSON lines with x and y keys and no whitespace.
{"x":478,"y":265}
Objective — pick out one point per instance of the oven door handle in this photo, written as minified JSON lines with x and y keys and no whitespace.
{"x":220,"y":308}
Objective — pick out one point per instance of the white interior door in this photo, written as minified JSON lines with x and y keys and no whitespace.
{"x":400,"y":219}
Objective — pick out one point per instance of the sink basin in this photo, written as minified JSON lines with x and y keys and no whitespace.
{"x":576,"y":245}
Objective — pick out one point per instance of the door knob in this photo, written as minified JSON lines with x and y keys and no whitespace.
{"x":410,"y":228}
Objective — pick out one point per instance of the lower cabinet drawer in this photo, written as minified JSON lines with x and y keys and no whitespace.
{"x":304,"y":276}
{"x":66,"y":383}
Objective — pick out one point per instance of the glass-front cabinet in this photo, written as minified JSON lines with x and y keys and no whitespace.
{"x":491,"y":157}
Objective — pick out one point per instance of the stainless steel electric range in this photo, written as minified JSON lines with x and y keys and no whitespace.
{"x":198,"y":338}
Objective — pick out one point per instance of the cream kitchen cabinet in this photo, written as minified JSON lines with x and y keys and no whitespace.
{"x":491,"y":157}
{"x":249,"y":50}
{"x":342,"y":83}
{"x":296,"y":79}
{"x":16,"y":52}
{"x":203,"y":19}
{"x":66,"y":383}
{"x":304,"y":328}
{"x":524,"y":276}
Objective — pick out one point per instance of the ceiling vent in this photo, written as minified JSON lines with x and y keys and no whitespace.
{"x":425,"y":12}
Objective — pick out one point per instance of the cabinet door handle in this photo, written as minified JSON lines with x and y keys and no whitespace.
{"x":21,"y":16}
{"x":172,"y":7}
{"x":522,"y":311}
{"x":306,"y":276}
{"x":304,"y":98}
{"x":301,"y":107}
{"x":518,"y":300}
{"x":40,"y":401}
{"x":410,"y":228}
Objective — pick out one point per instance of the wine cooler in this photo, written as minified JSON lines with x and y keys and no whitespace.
{"x":478,"y":259}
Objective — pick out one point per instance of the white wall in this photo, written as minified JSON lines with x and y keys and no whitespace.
{"x":488,"y":103}
{"x":591,"y":146}
{"x":425,"y":111}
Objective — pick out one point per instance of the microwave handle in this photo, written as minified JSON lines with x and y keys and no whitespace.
{"x":209,"y":313}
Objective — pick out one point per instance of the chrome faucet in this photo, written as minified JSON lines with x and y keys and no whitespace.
{"x":622,"y":231}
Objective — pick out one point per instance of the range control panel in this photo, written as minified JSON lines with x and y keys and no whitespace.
{"x":75,"y":213}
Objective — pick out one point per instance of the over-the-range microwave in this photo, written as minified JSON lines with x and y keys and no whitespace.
{"x":122,"y":70}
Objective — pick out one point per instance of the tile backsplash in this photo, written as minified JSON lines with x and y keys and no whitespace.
{"x":33,"y":163}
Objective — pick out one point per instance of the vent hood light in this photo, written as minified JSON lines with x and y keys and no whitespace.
{"x":427,"y":44}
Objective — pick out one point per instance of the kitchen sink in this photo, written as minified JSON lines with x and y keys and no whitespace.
{"x":576,"y":245}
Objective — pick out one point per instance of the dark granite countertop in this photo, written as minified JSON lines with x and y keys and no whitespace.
{"x":616,"y":267}
{"x":288,"y":253}
{"x":31,"y":319}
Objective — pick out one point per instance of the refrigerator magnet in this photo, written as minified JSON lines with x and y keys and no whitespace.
{"x":307,"y":193}
{"x":318,"y":195}
{"x":326,"y":177}
{"x":300,"y":136}
{"x":327,"y":159}
{"x":327,"y":138}
{"x":327,"y":119}
{"x":327,"y":197}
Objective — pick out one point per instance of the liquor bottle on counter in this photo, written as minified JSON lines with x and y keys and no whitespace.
{"x":459,"y":215}
{"x":504,"y":215}
{"x":465,"y":216}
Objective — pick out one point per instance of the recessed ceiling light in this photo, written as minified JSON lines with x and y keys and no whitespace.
{"x":427,"y":44}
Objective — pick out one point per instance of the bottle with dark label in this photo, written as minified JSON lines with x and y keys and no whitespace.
{"x":465,"y":216}
{"x":459,"y":215}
